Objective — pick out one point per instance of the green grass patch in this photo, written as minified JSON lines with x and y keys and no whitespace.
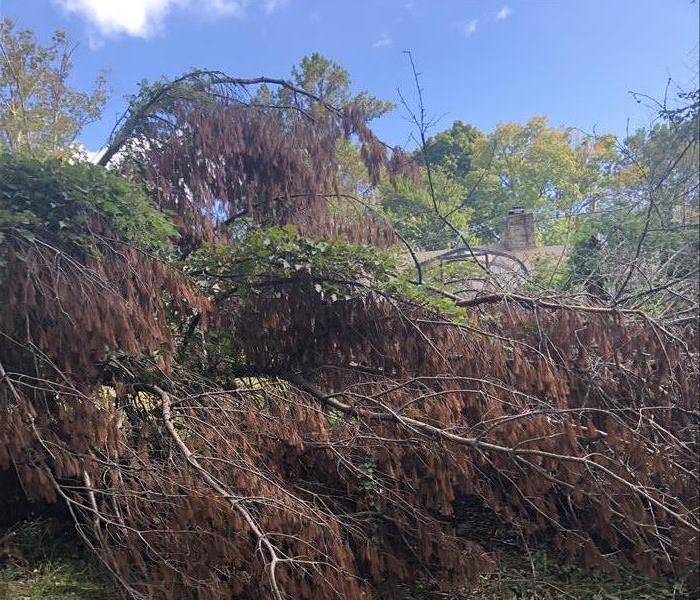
{"x":44,"y":561}
{"x":540,"y":575}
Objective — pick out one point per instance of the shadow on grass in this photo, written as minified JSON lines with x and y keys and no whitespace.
{"x":43,"y":560}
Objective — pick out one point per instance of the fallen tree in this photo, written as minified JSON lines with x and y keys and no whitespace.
{"x":237,"y":393}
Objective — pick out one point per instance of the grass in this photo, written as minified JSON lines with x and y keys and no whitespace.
{"x":42,"y":561}
{"x":539,"y":575}
{"x":47,"y":562}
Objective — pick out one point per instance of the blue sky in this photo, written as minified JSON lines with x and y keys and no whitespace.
{"x":481,"y":61}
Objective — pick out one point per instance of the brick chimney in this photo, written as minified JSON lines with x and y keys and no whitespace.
{"x":519,"y":232}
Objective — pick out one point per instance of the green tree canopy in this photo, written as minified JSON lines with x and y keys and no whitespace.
{"x":642,"y":240}
{"x":410,"y":208}
{"x":331,"y":82}
{"x":551,"y":171}
{"x":40,"y":112}
{"x":453,"y":148}
{"x":328,"y":81}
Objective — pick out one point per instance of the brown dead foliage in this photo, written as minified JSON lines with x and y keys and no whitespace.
{"x":309,"y":448}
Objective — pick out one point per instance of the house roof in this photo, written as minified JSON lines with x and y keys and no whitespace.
{"x":527,"y":256}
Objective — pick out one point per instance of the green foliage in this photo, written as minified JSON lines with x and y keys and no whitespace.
{"x":478,"y":177}
{"x":281,"y":253}
{"x":649,"y":217}
{"x":453,"y":149}
{"x":322,"y":77}
{"x":328,"y":81}
{"x":353,"y":178}
{"x":548,"y":273}
{"x":548,"y":170}
{"x":409,"y":207}
{"x":40,"y":113}
{"x":409,"y":204}
{"x":331,"y":82}
{"x":68,"y":201}
{"x":337,"y":269}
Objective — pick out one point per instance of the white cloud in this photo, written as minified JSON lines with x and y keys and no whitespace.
{"x":95,"y":155}
{"x":142,"y":18}
{"x":470,"y":27}
{"x":504,"y":13}
{"x":383,"y":41}
{"x":270,"y":6}
{"x":81,"y":153}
